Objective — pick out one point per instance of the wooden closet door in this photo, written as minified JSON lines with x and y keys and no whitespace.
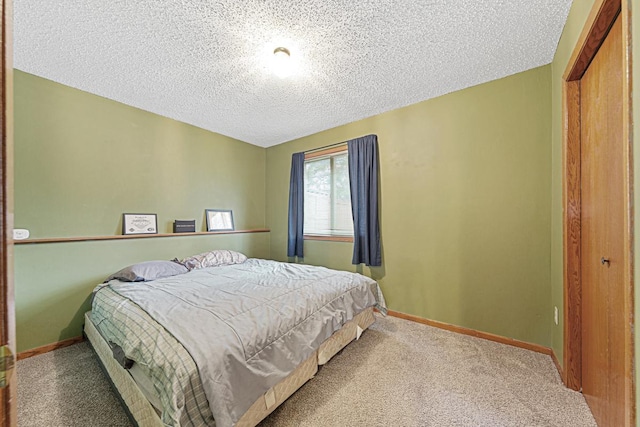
{"x":602,"y":192}
{"x":8,"y":417}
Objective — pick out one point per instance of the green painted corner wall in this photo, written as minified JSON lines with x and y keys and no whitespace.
{"x":465,"y":202}
{"x":80,"y":162}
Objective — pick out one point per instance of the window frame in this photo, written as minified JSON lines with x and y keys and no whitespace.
{"x":321,"y":153}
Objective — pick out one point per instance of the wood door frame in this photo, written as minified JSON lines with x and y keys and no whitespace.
{"x":596,"y":28}
{"x":8,"y":411}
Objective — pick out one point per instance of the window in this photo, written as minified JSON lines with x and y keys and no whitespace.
{"x":327,"y":196}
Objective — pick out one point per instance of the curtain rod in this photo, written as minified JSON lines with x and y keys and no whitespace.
{"x":325,"y":147}
{"x":336,"y":144}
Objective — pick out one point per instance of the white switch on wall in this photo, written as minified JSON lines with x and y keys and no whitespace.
{"x":20,"y":234}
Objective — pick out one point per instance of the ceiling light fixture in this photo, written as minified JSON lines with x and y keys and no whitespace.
{"x":281,"y":61}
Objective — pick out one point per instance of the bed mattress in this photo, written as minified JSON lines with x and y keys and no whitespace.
{"x":147,"y":414}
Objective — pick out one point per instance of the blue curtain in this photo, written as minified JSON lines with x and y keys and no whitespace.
{"x":363,"y":178}
{"x":296,"y":206}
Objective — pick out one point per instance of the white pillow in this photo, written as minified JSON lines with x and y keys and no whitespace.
{"x":213,"y":259}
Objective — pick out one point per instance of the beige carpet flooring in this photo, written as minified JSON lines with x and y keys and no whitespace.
{"x":399,"y":373}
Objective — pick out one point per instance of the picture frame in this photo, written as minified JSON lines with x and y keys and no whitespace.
{"x":219,"y":219}
{"x":139,"y":223}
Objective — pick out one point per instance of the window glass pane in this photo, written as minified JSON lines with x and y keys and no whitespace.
{"x":327,"y":196}
{"x":317,"y":196}
{"x":343,"y":222}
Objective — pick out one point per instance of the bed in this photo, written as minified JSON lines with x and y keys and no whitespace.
{"x":224,"y":345}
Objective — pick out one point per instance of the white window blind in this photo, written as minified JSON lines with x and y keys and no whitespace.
{"x":327,"y":196}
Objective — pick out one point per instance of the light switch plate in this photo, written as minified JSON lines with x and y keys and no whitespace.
{"x":20,"y":234}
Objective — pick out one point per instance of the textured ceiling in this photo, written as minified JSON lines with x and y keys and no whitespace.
{"x":207,"y":62}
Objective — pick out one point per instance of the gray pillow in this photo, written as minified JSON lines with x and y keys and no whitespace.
{"x":149,"y":270}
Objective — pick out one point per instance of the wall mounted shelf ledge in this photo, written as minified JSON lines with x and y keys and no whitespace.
{"x":133,"y":236}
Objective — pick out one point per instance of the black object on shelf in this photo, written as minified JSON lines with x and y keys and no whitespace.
{"x":184,"y":226}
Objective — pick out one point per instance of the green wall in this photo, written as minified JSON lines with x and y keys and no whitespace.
{"x":465,"y":182}
{"x":80,"y":162}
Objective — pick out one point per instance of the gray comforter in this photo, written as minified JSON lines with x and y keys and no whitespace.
{"x":247,"y":326}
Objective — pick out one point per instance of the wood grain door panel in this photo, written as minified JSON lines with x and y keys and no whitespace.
{"x":602,"y":194}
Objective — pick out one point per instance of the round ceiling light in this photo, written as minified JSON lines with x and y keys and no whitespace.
{"x":281,"y":61}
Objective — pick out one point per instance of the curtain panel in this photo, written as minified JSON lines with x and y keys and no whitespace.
{"x":363,"y":179}
{"x":296,"y":207}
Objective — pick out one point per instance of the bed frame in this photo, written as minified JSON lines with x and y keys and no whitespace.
{"x":144,"y":414}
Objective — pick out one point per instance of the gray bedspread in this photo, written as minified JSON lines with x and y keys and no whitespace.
{"x":247,"y":326}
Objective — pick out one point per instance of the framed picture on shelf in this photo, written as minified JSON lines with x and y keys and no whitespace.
{"x":219,"y":220}
{"x":133,"y":223}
